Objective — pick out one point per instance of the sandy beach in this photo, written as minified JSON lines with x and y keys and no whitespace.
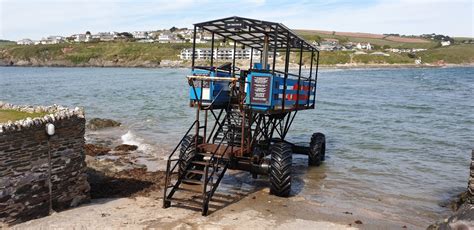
{"x":257,"y":210}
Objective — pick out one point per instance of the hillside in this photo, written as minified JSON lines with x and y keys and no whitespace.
{"x":375,"y":39}
{"x":134,"y":54}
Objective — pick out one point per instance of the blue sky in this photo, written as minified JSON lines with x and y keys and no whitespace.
{"x":39,"y":18}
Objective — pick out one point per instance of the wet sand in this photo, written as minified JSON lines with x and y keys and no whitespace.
{"x":258,"y":210}
{"x":130,"y":197}
{"x":247,"y":205}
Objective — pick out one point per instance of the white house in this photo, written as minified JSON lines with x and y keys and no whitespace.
{"x":52,"y":40}
{"x":79,"y":37}
{"x":140,"y":34}
{"x":368,"y":46}
{"x":25,"y":41}
{"x":104,"y":36}
{"x":364,"y":46}
{"x":445,"y":43}
{"x":166,"y":37}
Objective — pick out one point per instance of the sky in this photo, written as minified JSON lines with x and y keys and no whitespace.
{"x":35,"y":19}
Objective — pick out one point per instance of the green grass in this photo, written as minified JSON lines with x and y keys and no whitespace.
{"x":133,"y":52}
{"x":6,"y":43}
{"x":314,"y":35}
{"x":455,"y":54}
{"x":79,"y":53}
{"x":13,"y":115}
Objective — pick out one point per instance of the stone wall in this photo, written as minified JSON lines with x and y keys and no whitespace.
{"x":32,"y":164}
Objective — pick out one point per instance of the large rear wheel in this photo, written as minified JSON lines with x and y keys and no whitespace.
{"x":280,"y":169}
{"x":317,"y":149}
{"x":187,"y":154}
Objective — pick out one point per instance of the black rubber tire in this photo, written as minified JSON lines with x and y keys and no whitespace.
{"x":280,"y":169}
{"x":317,"y":149}
{"x":187,"y":153}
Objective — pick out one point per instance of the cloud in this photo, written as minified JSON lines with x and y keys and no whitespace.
{"x":40,"y":18}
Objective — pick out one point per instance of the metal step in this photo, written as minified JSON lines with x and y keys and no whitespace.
{"x":200,"y":163}
{"x":197,"y":190}
{"x":192,"y":181}
{"x":201,"y":172}
{"x":197,"y":182}
{"x":192,"y":202}
{"x":187,"y":201}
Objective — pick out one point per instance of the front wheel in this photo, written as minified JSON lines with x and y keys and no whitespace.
{"x":317,"y":149}
{"x":280,"y":169}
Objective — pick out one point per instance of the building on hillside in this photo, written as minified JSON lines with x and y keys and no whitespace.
{"x":104,"y":36}
{"x":52,"y":40}
{"x":25,"y":41}
{"x":221,"y":54}
{"x":417,"y":50}
{"x":140,"y":34}
{"x":79,"y":37}
{"x":364,"y":46}
{"x":82,"y":37}
{"x":445,"y":43}
{"x":166,"y":37}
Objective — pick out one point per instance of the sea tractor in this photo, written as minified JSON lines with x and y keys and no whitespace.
{"x":243,"y":114}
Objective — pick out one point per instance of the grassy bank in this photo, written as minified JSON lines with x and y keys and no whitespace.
{"x":125,"y":53}
{"x":373,"y":39}
{"x":13,"y":115}
{"x":456,"y":54}
{"x":83,"y":52}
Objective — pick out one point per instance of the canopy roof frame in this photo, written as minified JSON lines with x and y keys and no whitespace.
{"x":251,"y":32}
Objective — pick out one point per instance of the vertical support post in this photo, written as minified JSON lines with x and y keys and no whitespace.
{"x":275,"y":50}
{"x":205,"y":125}
{"x":299,"y":77}
{"x":242,"y":136}
{"x":194,"y":49}
{"x":287,"y":62}
{"x":233,"y":59}
{"x":316,"y":78}
{"x":198,"y":110}
{"x":265,"y":52}
{"x":212,"y":50}
{"x":251,"y":57}
{"x":310,"y":76}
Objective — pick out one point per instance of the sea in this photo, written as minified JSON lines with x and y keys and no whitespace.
{"x":399,"y":140}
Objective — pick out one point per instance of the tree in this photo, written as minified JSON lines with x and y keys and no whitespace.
{"x":173,"y":29}
{"x":375,"y":47}
{"x":88,"y":33}
{"x":70,"y":39}
{"x":125,"y":35}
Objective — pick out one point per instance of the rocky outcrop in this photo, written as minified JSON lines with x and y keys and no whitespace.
{"x":100,"y":123}
{"x":463,"y":217}
{"x":93,"y":62}
{"x":39,"y":173}
{"x":470,"y":188}
{"x":126,"y":148}
{"x":96,"y":150}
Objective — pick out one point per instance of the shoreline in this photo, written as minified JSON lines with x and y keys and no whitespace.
{"x":346,"y":66}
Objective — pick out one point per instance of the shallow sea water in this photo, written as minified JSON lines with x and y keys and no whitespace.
{"x":398,"y":140}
